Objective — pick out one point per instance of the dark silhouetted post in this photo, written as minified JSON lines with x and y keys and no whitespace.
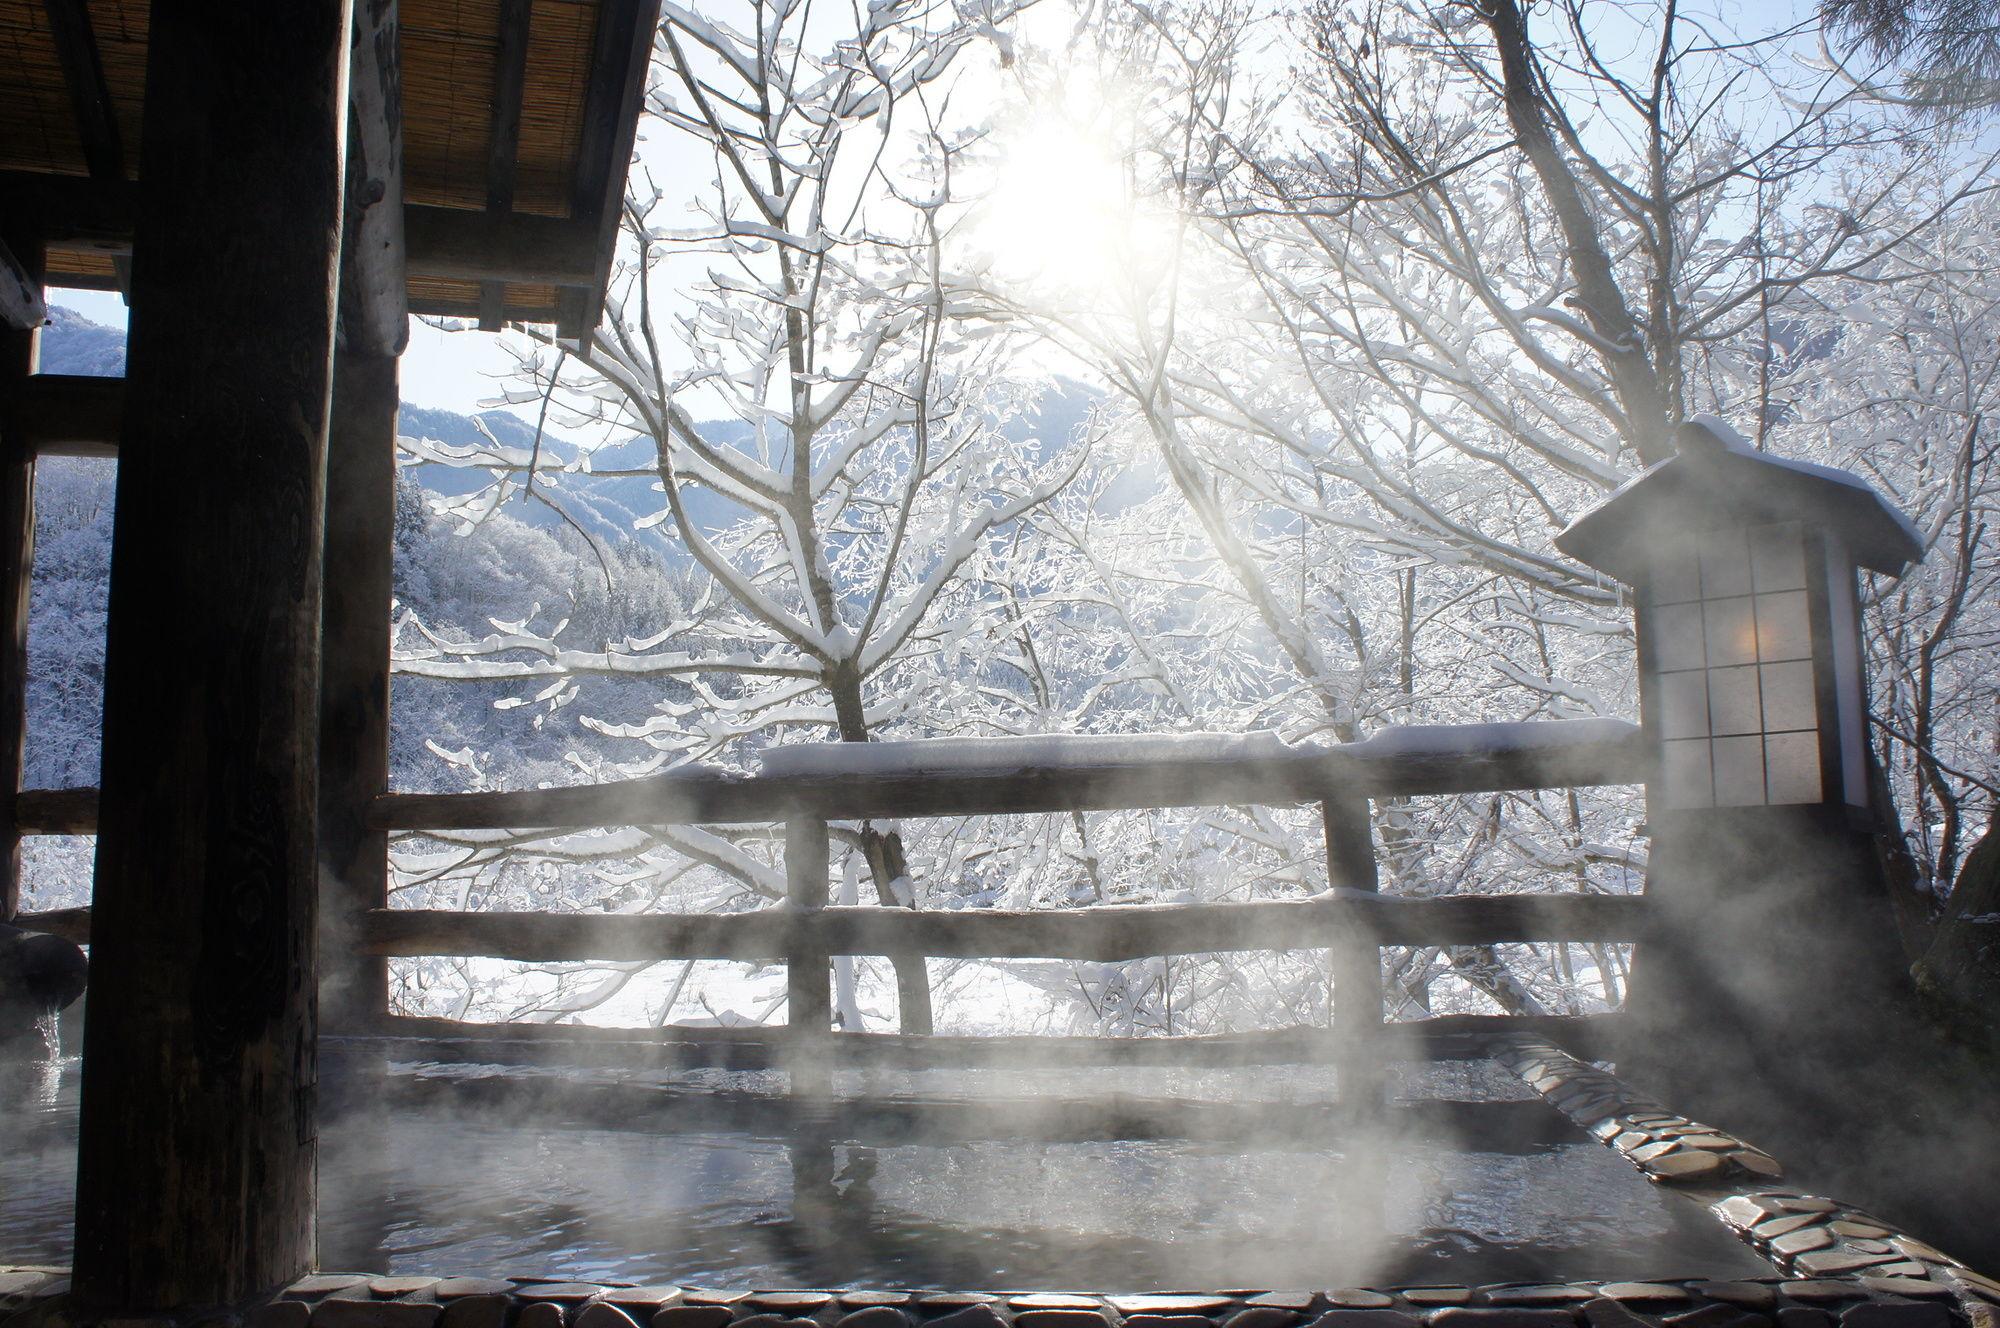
{"x":196,"y":1171}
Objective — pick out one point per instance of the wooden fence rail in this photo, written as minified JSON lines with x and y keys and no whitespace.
{"x":1102,"y":934}
{"x":807,"y":789}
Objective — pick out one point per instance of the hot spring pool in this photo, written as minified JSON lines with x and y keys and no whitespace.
{"x":454,"y":1181}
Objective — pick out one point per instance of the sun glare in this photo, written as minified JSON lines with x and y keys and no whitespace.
{"x":1062,"y":220}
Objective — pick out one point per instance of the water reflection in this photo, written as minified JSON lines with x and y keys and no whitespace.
{"x":462,"y":1183}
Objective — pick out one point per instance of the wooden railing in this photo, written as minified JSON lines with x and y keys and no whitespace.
{"x":1351,"y":920}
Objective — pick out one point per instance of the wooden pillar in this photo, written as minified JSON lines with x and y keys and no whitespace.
{"x":20,"y":353}
{"x":195,"y":1178}
{"x":1356,"y":959}
{"x":354,"y":679}
{"x":808,"y":987}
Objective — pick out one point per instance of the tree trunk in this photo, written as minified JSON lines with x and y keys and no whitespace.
{"x":886,"y":864}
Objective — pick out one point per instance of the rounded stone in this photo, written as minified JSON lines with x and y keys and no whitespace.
{"x":1761,"y":1165}
{"x":374,"y":1314}
{"x":1802,"y":1241}
{"x":540,"y":1314}
{"x":874,"y":1316}
{"x":1438,"y":1295}
{"x":1061,"y":1319}
{"x":1644,"y":1293}
{"x":643,"y":1298}
{"x":1299,"y":1301}
{"x":1921,"y":1287}
{"x":955,"y":1300}
{"x":475,"y":1312}
{"x":856,"y":1300}
{"x":1475,"y":1316}
{"x":1264,"y":1316}
{"x":391,"y":1287}
{"x":279,"y":1314}
{"x":1356,"y":1298}
{"x":1817,"y":1292}
{"x":1773,"y":1227}
{"x":563,"y":1293}
{"x":321,"y":1284}
{"x":978,"y":1315}
{"x":1054,"y":1301}
{"x":1718,"y":1316}
{"x":1605,"y":1312}
{"x":1803,"y":1316}
{"x":453,"y":1288}
{"x":774,"y":1321}
{"x":795,"y":1303}
{"x":599,"y":1314}
{"x":1547,"y":1294}
{"x":692,"y":1316}
{"x":1170,"y":1305}
{"x":1169,"y":1321}
{"x":1749,"y":1295}
{"x":1686,"y":1165}
{"x":1365,"y":1319}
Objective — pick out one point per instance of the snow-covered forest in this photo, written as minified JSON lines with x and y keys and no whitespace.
{"x":1129,"y":368}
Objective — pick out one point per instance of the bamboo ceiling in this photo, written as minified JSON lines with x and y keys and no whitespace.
{"x":450,"y":53}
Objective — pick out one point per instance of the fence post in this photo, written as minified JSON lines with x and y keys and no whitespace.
{"x":809,"y":996}
{"x":1356,"y":960}
{"x":1356,"y":957}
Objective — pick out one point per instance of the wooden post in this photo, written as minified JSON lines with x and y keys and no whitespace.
{"x":1356,"y":955}
{"x":20,"y":354}
{"x":354,"y":679}
{"x":195,"y":1183}
{"x":808,"y":989}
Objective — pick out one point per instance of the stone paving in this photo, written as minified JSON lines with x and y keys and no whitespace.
{"x":359,"y":1300}
{"x":1813,"y":1238}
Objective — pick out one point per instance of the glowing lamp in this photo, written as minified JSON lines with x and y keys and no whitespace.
{"x":1743,"y":564}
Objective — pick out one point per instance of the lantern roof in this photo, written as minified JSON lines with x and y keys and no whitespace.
{"x":1719,"y":480}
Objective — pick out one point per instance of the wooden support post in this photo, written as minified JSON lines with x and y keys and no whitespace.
{"x":808,"y":990}
{"x":20,"y":353}
{"x":354,"y":680}
{"x":1356,"y":955}
{"x":195,"y":1177}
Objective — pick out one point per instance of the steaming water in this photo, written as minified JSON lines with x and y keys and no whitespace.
{"x":451,"y":1185}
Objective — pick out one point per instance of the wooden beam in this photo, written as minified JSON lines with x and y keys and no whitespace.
{"x":72,"y":924}
{"x":617,"y":86}
{"x":503,"y":142}
{"x":195,"y":1170}
{"x":1520,"y":756}
{"x":78,"y":213}
{"x":376,"y":316}
{"x":70,"y":414}
{"x":20,"y":357}
{"x":96,"y":119}
{"x":1505,"y":1126}
{"x":56,"y":811}
{"x":72,"y":211}
{"x":480,"y":246}
{"x":1448,"y":1037}
{"x":1103,"y":934}
{"x":354,"y":676}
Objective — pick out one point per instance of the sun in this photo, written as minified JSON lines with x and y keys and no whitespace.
{"x":1063,"y":219}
